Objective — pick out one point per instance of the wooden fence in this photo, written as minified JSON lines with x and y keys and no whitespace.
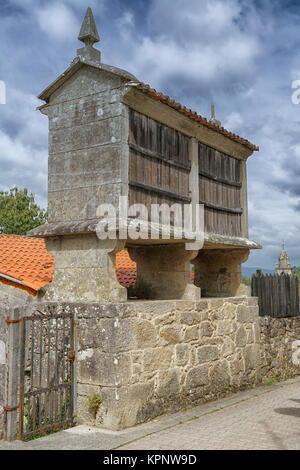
{"x":278,"y":294}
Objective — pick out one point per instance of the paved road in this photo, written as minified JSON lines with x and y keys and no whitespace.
{"x":263,"y":418}
{"x":269,"y":421}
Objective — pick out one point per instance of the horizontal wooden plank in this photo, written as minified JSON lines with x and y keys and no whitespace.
{"x":223,"y":209}
{"x":158,"y":138}
{"x":154,"y":189}
{"x":158,"y":156}
{"x":220,"y":180}
{"x":217,"y":164}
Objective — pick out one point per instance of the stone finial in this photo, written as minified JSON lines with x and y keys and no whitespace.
{"x":89,"y":35}
{"x":213,"y":117}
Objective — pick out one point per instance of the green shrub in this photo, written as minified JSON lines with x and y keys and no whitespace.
{"x":94,"y":402}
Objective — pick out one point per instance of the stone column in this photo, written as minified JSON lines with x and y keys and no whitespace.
{"x":84,"y":270}
{"x":163,"y":272}
{"x":218,"y":272}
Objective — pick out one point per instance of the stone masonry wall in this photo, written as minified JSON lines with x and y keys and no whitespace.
{"x":88,"y":151}
{"x":148,"y":358}
{"x":280,"y":354}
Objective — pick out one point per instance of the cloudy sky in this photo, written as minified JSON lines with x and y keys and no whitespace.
{"x":242,"y":55}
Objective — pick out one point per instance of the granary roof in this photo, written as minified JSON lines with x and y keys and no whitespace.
{"x":131,"y":80}
{"x":89,"y":35}
{"x":193,"y":115}
{"x":75,"y":65}
{"x":25,"y":262}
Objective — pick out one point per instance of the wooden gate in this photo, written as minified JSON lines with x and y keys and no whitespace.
{"x":46,"y":373}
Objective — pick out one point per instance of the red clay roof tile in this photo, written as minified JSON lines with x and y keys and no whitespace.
{"x":26,"y":260}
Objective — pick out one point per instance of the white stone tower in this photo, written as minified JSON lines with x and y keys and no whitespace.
{"x":284,"y":265}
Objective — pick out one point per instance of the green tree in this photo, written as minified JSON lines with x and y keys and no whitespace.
{"x":246,"y":281}
{"x":296,"y":271}
{"x":19,"y":213}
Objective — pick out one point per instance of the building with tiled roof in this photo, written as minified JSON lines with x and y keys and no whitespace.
{"x":125,"y":269}
{"x":25,"y":263}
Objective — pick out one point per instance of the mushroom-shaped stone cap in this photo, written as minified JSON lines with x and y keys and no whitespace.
{"x":88,"y":32}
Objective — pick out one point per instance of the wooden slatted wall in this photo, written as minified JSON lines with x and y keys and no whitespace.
{"x":278,"y":294}
{"x":159,"y":173}
{"x":219,"y":191}
{"x":159,"y":163}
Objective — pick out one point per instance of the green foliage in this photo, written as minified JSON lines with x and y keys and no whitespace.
{"x":296,"y":272}
{"x":19,"y":213}
{"x":42,"y":418}
{"x":94,"y":402}
{"x":246,"y":281}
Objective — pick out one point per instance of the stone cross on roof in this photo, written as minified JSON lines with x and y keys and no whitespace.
{"x":89,"y":35}
{"x":213,"y":116}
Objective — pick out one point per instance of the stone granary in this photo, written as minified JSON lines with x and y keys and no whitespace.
{"x":111,"y":135}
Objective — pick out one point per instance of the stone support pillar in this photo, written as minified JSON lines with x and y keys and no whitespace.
{"x":84,"y":269}
{"x":218,"y":272}
{"x":163,"y":272}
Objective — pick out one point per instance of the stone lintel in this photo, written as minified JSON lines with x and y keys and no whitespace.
{"x":211,"y":240}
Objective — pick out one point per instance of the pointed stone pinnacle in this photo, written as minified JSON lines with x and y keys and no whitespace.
{"x":89,"y":35}
{"x":88,"y":32}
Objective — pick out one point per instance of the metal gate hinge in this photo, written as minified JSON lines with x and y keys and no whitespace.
{"x":11,"y":408}
{"x":8,"y":320}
